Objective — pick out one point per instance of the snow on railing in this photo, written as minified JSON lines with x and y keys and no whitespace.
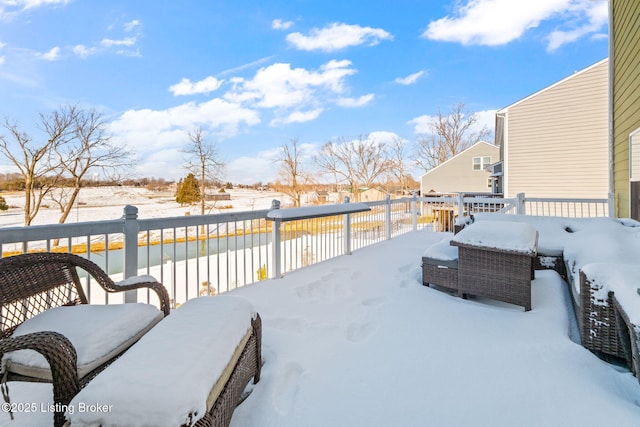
{"x":207,"y":254}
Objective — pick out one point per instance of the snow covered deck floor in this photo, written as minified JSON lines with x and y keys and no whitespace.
{"x":358,"y":341}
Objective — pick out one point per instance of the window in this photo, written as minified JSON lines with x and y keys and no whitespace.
{"x":480,"y":163}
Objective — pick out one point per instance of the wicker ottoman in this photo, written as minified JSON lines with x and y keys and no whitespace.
{"x":440,"y":265}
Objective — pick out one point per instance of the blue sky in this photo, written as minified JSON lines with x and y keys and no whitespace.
{"x":256,"y":74}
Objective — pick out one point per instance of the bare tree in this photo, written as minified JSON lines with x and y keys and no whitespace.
{"x":359,"y":162}
{"x":36,"y":162}
{"x":398,"y":152}
{"x":292,"y":174}
{"x":449,"y":134}
{"x":204,"y":162}
{"x":88,"y":148}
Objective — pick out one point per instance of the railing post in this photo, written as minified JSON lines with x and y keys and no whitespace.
{"x":387,"y":217}
{"x":521,"y":209}
{"x":611,"y":200}
{"x":347,"y":230}
{"x":275,"y":239}
{"x":130,"y":229}
{"x":460,"y":206}
{"x":414,"y":212}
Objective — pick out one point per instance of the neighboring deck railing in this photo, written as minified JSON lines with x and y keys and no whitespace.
{"x":207,"y":254}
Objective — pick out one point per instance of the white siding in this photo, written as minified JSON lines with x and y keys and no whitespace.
{"x":556,"y":142}
{"x":456,"y":175}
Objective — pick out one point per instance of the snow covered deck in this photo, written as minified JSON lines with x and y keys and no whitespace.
{"x":358,"y":340}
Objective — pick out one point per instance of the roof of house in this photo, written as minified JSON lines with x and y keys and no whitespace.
{"x":460,"y":153}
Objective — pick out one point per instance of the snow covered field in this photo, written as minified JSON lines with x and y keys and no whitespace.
{"x":108,"y":203}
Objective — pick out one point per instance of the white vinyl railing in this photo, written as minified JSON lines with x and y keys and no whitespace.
{"x":208,"y":254}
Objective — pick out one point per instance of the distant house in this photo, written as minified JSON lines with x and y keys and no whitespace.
{"x":217,"y":196}
{"x":372,"y":195}
{"x":466,"y":172}
{"x":624,"y":53}
{"x":554,"y":143}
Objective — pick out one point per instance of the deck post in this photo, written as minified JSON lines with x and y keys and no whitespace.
{"x":276,"y":239}
{"x":521,"y":209}
{"x":347,"y":230}
{"x":387,"y":216}
{"x":130,"y":229}
{"x":611,"y":205}
{"x":460,"y":206}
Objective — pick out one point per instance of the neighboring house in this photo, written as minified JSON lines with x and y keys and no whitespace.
{"x":624,"y":53}
{"x":554,"y":143}
{"x":466,"y":172}
{"x":372,"y":195}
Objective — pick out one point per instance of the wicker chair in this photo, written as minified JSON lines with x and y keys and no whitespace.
{"x":31,"y":284}
{"x":597,"y":321}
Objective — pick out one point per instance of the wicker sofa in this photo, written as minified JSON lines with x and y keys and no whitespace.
{"x":580,"y":249}
{"x":188,"y":375}
{"x":44,"y":309}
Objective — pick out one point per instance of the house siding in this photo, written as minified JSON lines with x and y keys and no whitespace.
{"x":625,"y":54}
{"x":456,"y":175}
{"x":556,"y":142}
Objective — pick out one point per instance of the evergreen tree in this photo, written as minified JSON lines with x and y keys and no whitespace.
{"x":188,"y":190}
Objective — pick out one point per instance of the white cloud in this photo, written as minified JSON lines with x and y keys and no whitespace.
{"x":2,"y":60}
{"x":410,"y":79}
{"x":51,"y":55}
{"x":186,"y":87}
{"x":338,"y":36}
{"x":148,"y":130}
{"x":127,"y":41}
{"x":283,"y":88}
{"x":498,"y":22}
{"x":11,"y":8}
{"x":279,"y":24}
{"x":132,"y":25}
{"x":298,"y":117}
{"x":158,"y":136}
{"x":596,"y":16}
{"x":83,"y":51}
{"x":355,"y":102}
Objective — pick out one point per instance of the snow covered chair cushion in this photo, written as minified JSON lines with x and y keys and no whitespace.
{"x":97,"y":332}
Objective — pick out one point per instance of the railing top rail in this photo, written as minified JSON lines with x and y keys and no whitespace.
{"x":552,"y":200}
{"x":59,"y":231}
{"x":309,"y":212}
{"x":194,"y":220}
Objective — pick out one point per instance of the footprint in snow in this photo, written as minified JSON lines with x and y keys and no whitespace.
{"x":375,"y":301}
{"x":359,"y":330}
{"x":285,"y":390}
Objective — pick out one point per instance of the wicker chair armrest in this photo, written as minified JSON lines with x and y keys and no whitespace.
{"x":62,"y":359}
{"x":139,"y":282}
{"x":100,"y":276}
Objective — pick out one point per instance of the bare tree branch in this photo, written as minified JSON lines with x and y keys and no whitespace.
{"x":359,"y":162}
{"x":204,"y":161}
{"x":293,"y":176}
{"x":34,"y":163}
{"x":84,"y":146}
{"x":450,"y":134}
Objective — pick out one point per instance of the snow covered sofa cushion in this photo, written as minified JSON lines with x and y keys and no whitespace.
{"x":174,"y":374}
{"x":97,"y":332}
